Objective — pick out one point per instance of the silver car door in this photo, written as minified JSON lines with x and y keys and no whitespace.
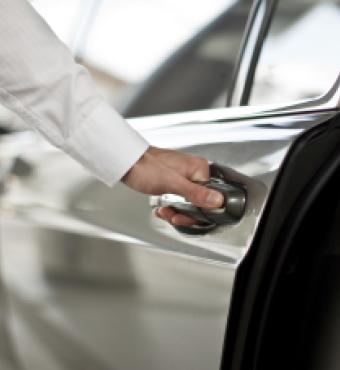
{"x":94,"y":280}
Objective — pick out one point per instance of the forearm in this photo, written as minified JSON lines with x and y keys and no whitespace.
{"x":40,"y":82}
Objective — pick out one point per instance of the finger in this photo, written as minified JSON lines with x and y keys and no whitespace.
{"x":166,"y":213}
{"x":200,"y":196}
{"x":183,"y":220}
{"x":156,"y":213}
{"x":175,"y":218}
{"x":169,"y":215}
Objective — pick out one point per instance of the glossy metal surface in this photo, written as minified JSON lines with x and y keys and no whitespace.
{"x":95,"y":284}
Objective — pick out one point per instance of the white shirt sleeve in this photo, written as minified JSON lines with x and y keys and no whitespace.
{"x":40,"y":81}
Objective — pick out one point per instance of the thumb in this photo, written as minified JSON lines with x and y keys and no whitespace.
{"x":199,"y":195}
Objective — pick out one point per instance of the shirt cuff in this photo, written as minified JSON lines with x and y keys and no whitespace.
{"x":106,"y":144}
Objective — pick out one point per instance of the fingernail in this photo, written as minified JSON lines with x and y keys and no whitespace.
{"x":158,"y":213}
{"x":214,"y":198}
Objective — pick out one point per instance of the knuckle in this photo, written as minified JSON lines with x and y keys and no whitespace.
{"x":200,"y":169}
{"x":204,"y":162}
{"x":200,"y":162}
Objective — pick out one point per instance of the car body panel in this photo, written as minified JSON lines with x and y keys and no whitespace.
{"x":94,"y":291}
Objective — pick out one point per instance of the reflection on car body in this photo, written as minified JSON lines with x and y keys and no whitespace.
{"x":94,"y":281}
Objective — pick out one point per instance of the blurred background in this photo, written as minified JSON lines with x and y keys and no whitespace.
{"x":122,"y":42}
{"x":147,"y":56}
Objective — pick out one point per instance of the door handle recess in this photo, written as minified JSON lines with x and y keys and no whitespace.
{"x":231,"y":212}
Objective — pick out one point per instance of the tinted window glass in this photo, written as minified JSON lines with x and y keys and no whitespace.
{"x":197,"y":74}
{"x":151,"y":56}
{"x":124,"y":42}
{"x":301,"y":55}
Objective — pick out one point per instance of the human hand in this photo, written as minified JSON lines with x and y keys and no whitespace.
{"x":161,"y":171}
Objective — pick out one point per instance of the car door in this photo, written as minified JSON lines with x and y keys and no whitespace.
{"x":285,"y":306}
{"x":95,"y":281}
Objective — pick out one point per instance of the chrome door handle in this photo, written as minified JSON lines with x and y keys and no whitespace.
{"x":230,"y":213}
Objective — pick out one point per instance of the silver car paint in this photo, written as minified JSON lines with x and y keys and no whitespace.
{"x":95,"y":281}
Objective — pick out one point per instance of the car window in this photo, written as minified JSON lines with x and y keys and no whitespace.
{"x":150,"y":56}
{"x":301,"y":55}
{"x":153,"y":56}
{"x":197,"y":73}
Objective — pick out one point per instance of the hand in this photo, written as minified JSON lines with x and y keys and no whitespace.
{"x":161,"y":171}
